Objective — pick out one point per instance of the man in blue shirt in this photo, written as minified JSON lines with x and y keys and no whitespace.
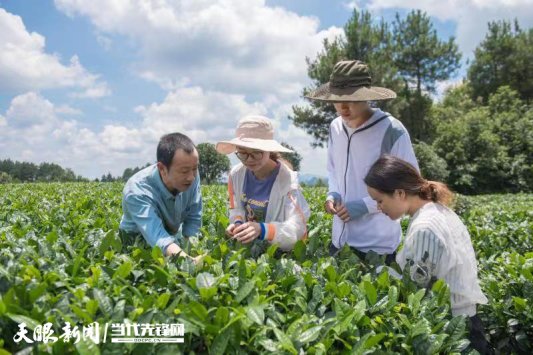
{"x":163,"y":202}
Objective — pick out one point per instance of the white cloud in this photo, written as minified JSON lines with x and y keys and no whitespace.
{"x":235,"y":46}
{"x":93,"y":92}
{"x":219,"y":60}
{"x":67,"y":110}
{"x":351,"y":5}
{"x":24,"y":64}
{"x":34,"y":131}
{"x":109,"y":108}
{"x":204,"y":116}
{"x":446,"y":85}
{"x":121,"y":139}
{"x":471,"y":16}
{"x":104,"y":41}
{"x":313,"y":159}
{"x":30,"y":110}
{"x":27,"y":125}
{"x":165,"y":82}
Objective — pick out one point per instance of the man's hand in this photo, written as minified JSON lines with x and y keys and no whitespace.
{"x":329,"y":206}
{"x":174,"y":249}
{"x":342,"y":213}
{"x":247,"y":232}
{"x":338,"y":209}
{"x":198,"y":260}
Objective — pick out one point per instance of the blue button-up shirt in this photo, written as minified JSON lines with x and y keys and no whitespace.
{"x":151,"y":210}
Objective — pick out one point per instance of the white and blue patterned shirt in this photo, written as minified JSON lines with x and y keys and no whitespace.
{"x":438,"y":246}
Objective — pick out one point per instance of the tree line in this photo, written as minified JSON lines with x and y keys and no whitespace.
{"x":479,"y":136}
{"x":212,"y":167}
{"x":15,"y":171}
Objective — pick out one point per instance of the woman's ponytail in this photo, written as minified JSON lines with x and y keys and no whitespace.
{"x":437,"y":192}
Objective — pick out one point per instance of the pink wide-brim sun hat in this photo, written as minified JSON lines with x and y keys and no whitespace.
{"x":253,"y":132}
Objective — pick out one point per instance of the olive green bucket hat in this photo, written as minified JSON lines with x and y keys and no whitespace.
{"x":350,"y":82}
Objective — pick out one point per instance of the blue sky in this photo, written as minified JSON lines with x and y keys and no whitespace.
{"x":92,"y":85}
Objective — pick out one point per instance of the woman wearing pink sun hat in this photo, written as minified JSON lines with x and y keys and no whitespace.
{"x":265,"y":199}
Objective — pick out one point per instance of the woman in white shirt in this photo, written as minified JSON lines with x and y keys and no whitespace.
{"x":437,"y":244}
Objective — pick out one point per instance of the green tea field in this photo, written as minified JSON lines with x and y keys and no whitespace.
{"x":62,"y":261}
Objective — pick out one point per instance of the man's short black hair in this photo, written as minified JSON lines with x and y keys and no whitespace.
{"x":169,"y":143}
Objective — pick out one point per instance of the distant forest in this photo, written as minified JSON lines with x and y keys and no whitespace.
{"x":16,"y":171}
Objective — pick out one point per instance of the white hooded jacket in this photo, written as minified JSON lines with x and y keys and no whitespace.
{"x":350,"y":156}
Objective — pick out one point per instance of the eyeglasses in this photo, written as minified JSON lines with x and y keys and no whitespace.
{"x":257,"y":155}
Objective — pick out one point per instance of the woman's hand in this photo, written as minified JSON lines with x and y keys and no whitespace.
{"x":230,"y":230}
{"x":247,"y":232}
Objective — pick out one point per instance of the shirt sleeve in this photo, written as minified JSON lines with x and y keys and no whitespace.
{"x":360,"y":207}
{"x":193,"y":219}
{"x":287,"y":233}
{"x":427,"y":252}
{"x":148,"y":221}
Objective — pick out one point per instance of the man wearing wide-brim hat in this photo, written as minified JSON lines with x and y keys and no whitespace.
{"x":357,"y":138}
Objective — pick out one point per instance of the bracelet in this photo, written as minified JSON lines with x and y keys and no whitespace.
{"x":237,"y":222}
{"x":263,"y":231}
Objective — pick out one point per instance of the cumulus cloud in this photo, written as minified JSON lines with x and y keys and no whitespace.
{"x":30,"y":110}
{"x":27,"y":124}
{"x":204,"y":115}
{"x":446,"y":85}
{"x":236,"y":46}
{"x":104,"y":41}
{"x":93,"y":92}
{"x":67,"y":110}
{"x":351,"y":5}
{"x":314,"y":159}
{"x":219,"y":60}
{"x":34,"y":130}
{"x":24,"y":64}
